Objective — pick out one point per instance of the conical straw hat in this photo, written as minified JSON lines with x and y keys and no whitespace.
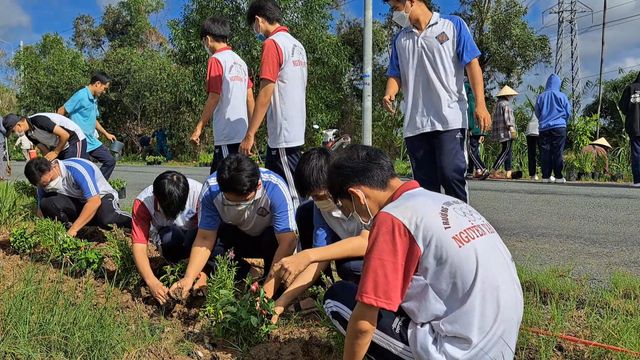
{"x":602,"y":141}
{"x":507,"y":91}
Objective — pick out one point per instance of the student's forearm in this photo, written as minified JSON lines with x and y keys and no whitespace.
{"x":251,"y":104}
{"x":89,"y":210}
{"x":141,"y":259}
{"x":101,"y":129}
{"x":200,"y":252}
{"x":207,"y":111}
{"x":286,"y":247}
{"x":362,"y":325}
{"x":63,"y":138}
{"x":476,"y":79}
{"x":344,"y":249}
{"x":262,"y":104}
{"x":301,"y":284}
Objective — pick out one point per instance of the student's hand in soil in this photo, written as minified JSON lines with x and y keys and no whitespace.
{"x":247,"y":145}
{"x":180,"y":290}
{"x":483,"y":119}
{"x":159,"y":292}
{"x":290,"y":267}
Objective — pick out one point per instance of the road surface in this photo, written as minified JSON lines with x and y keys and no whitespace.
{"x":593,"y":228}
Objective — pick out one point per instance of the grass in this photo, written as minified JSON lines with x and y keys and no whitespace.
{"x":43,"y":316}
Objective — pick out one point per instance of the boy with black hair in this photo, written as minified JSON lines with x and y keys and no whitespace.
{"x":437,"y":282}
{"x":334,"y":236}
{"x":165,"y":214}
{"x":283,"y":84}
{"x":245,"y":208}
{"x":230,"y":101}
{"x":76,"y":193}
{"x":56,"y":136}
{"x":82,"y":108}
{"x":428,"y":60}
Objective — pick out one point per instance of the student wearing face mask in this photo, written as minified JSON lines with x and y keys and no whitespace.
{"x":245,"y":208}
{"x":165,"y":214}
{"x":282,"y":96}
{"x":437,"y":282}
{"x":335,"y":237}
{"x":230,"y":101}
{"x":75,"y":192}
{"x":56,"y":136}
{"x":429,"y":57}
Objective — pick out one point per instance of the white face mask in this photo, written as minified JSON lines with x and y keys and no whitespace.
{"x":206,"y":48}
{"x":401,"y":18}
{"x":366,"y":224}
{"x":326,"y":206}
{"x":238,"y":205}
{"x":54,"y":185}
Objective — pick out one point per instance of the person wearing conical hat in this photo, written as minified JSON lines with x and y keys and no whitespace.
{"x":600,"y":149}
{"x":504,"y":129}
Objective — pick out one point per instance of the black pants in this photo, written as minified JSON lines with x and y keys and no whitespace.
{"x":67,"y":209}
{"x":474,"y":160}
{"x":635,"y":158}
{"x":283,"y":161}
{"x":532,"y":152}
{"x":390,"y":340}
{"x":438,"y":159}
{"x":551,"y":149}
{"x":220,"y":152}
{"x":175,"y":243}
{"x":348,"y":269}
{"x":263,"y":247}
{"x":107,"y":160}
{"x":505,"y":156}
{"x":77,"y":149}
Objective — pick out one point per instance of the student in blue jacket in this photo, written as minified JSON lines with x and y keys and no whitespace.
{"x":553,"y":110}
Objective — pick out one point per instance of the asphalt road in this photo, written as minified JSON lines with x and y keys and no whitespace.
{"x":593,"y":228}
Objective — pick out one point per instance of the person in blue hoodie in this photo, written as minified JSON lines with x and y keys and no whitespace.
{"x":553,"y":110}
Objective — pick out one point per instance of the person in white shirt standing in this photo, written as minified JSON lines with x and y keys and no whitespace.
{"x":282,"y":97}
{"x":428,"y":60}
{"x":230,"y":101}
{"x":25,"y":145}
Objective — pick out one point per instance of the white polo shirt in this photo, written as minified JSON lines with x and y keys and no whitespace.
{"x":430,"y":66}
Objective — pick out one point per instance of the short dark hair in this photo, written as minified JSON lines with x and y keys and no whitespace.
{"x":311,"y":173}
{"x":218,"y":28}
{"x":35,"y":168}
{"x":171,"y":190}
{"x":99,"y":76}
{"x":359,"y":165}
{"x":238,"y":174}
{"x":266,"y":9}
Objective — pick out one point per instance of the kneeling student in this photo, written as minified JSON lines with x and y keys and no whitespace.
{"x":56,"y":136}
{"x":437,"y":282}
{"x":335,"y":237}
{"x":74,"y":192}
{"x":165,"y":214}
{"x":245,"y":208}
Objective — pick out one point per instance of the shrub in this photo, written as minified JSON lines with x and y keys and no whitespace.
{"x":21,"y":240}
{"x":118,"y":184}
{"x":241,"y":315}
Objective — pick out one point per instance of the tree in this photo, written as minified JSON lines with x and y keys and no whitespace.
{"x":510,"y":46}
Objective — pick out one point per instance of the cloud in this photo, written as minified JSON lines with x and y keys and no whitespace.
{"x":14,"y":21}
{"x":103,"y":3}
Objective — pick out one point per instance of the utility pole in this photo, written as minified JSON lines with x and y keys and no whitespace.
{"x":604,"y":22}
{"x":367,"y":69}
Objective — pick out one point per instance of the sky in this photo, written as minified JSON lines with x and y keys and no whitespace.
{"x":28,"y":20}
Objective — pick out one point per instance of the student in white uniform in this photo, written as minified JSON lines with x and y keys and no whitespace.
{"x":282,"y":96}
{"x":437,"y":282}
{"x":230,"y":101}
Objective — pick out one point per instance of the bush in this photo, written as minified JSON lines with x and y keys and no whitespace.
{"x":241,"y":316}
{"x":14,"y":207}
{"x":118,"y":184}
{"x":21,"y":240}
{"x":118,"y":250}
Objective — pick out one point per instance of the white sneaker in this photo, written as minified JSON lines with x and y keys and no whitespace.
{"x":560,"y":181}
{"x":546,"y":181}
{"x":552,"y":178}
{"x":637,"y":185}
{"x":534,"y":178}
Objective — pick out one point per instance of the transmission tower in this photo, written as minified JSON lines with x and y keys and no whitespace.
{"x":568,"y":16}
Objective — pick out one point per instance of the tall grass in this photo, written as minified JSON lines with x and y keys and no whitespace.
{"x":14,"y":206}
{"x":45,"y":318}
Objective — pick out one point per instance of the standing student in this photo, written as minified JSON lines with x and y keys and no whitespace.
{"x":532,"y":146}
{"x":476,"y":167}
{"x":5,"y":168}
{"x":630,"y":105}
{"x":283,"y":84}
{"x":56,"y":136}
{"x":428,"y":60}
{"x":25,"y":145}
{"x":437,"y":282}
{"x":504,"y":130}
{"x":230,"y":101}
{"x":82,"y":108}
{"x":553,"y":110}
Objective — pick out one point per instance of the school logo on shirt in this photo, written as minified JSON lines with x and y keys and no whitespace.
{"x":442,"y":38}
{"x":635,"y":98}
{"x":262,"y":211}
{"x":298,"y":56}
{"x":237,"y":72}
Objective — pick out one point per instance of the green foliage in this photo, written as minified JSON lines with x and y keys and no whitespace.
{"x":205,"y":158}
{"x":8,"y":101}
{"x":241,"y":316}
{"x":21,"y":240}
{"x":25,"y":188}
{"x":118,"y":250}
{"x":118,"y":184}
{"x":14,"y":207}
{"x":173,"y":273}
{"x":402,"y":167}
{"x":581,"y":132}
{"x":155,"y":160}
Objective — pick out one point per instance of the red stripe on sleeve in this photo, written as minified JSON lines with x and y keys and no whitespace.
{"x":141,"y":223}
{"x":214,"y":76}
{"x":389,"y":264}
{"x":272,"y":60}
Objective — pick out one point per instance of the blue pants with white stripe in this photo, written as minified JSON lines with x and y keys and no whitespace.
{"x":390,"y":339}
{"x":220,"y":152}
{"x":438,"y":159}
{"x":283,"y":161}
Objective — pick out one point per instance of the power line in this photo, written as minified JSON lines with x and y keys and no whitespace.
{"x":611,"y":71}
{"x":611,"y":23}
{"x":590,"y":14}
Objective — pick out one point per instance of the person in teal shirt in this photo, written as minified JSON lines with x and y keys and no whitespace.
{"x":82,"y":108}
{"x":476,"y":137}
